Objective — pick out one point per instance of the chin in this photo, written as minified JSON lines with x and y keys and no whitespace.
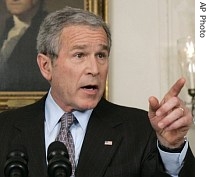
{"x":89,"y":105}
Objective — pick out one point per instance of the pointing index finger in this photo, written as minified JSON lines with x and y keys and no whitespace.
{"x":175,"y":89}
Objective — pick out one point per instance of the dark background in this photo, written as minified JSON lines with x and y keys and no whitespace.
{"x":50,"y":5}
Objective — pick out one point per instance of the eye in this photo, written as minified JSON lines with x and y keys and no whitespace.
{"x":102,"y":55}
{"x":79,"y":55}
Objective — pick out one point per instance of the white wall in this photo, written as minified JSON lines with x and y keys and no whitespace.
{"x":135,"y":61}
{"x":143,"y":59}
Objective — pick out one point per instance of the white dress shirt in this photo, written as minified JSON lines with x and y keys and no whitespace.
{"x":53,"y":114}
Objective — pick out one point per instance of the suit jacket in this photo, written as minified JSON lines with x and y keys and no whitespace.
{"x":20,"y":72}
{"x":133,"y":152}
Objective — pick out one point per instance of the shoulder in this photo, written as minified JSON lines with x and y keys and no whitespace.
{"x":125,"y":113}
{"x":113,"y":106}
{"x":22,"y":113}
{"x":38,"y":18}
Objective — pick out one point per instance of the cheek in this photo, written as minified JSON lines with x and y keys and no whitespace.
{"x":64,"y":75}
{"x":105,"y":72}
{"x":27,"y":5}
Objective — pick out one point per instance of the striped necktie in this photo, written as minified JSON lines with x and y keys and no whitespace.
{"x":65,"y":137}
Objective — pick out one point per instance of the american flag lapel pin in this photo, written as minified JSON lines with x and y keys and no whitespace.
{"x":108,"y":143}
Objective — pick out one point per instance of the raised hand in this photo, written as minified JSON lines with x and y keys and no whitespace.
{"x":170,"y":118}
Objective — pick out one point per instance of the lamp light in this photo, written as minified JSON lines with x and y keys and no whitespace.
{"x":186,"y":55}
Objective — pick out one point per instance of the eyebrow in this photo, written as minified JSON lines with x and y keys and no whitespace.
{"x":104,"y":47}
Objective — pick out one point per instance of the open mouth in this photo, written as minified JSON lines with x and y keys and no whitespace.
{"x":90,"y":87}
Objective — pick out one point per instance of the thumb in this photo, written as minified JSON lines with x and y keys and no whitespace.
{"x":153,"y":106}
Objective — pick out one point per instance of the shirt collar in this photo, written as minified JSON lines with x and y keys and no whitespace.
{"x":20,"y":24}
{"x":53,"y":114}
{"x":83,"y":118}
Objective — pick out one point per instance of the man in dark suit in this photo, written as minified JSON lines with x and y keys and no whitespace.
{"x":18,"y":66}
{"x":109,"y":140}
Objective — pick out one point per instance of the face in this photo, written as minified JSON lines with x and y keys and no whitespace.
{"x":78,"y":75}
{"x":20,"y":7}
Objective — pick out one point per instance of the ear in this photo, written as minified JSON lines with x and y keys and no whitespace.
{"x":45,"y":66}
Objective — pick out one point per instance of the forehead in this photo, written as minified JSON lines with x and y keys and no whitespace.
{"x":83,"y":33}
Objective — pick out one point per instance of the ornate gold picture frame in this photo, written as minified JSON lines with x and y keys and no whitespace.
{"x":14,"y":99}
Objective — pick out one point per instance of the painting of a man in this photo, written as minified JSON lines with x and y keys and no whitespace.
{"x":18,"y":66}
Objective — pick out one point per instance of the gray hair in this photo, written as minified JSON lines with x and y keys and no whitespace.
{"x":48,"y":38}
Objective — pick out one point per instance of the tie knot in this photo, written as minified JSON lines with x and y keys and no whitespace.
{"x":67,"y":120}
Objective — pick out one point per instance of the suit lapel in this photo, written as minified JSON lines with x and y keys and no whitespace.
{"x":102,"y":139}
{"x":32,"y":136}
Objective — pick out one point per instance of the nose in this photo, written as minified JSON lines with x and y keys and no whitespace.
{"x":93,"y":66}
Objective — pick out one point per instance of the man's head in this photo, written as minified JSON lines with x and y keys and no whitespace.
{"x":73,"y":47}
{"x":23,"y":8}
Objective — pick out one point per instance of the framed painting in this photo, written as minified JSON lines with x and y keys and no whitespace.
{"x":21,"y":82}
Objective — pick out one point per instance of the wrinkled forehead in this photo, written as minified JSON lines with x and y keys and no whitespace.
{"x":83,"y":34}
